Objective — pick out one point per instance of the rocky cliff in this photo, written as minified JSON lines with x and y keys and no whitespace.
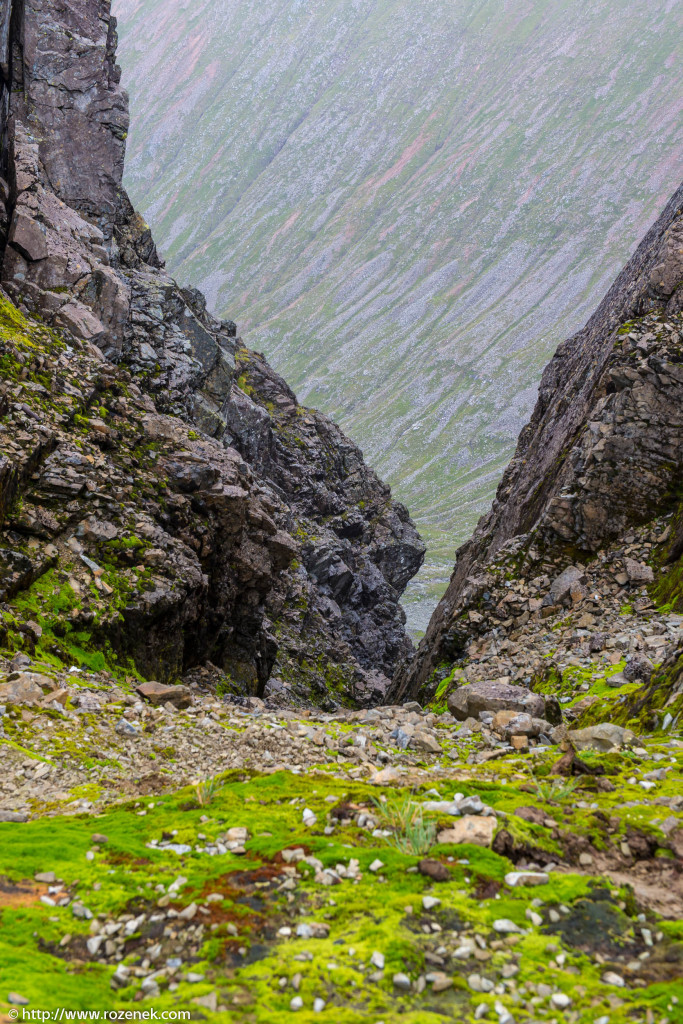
{"x":160,"y":481}
{"x":601,"y":455}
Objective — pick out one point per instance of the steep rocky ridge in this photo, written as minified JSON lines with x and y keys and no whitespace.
{"x":276,"y":552}
{"x":602,"y":451}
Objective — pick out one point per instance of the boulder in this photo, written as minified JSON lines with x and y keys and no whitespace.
{"x":426,"y":741}
{"x":638,"y":572}
{"x":534,"y":815}
{"x":603,"y":737}
{"x":568,"y":587}
{"x":469,"y":701}
{"x":519,"y":723}
{"x":127,"y":729}
{"x":638,"y":668}
{"x":553,"y":711}
{"x":20,"y":691}
{"x":158,"y":693}
{"x":475,"y":830}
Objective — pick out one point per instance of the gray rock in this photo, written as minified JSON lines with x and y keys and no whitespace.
{"x":568,"y":586}
{"x":603,"y":737}
{"x":15,"y":816}
{"x":603,"y":419}
{"x":469,"y":701}
{"x":638,"y":668}
{"x":638,"y":572}
{"x":127,"y":729}
{"x":270,"y":482}
{"x":423,"y":740}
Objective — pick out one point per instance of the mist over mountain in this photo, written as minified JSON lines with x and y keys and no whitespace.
{"x":405,"y":206}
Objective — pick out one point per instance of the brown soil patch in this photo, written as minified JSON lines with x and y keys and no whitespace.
{"x":20,"y":894}
{"x":152,"y":784}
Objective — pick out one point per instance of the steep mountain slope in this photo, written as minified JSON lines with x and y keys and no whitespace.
{"x":602,"y":454}
{"x":183,"y":508}
{"x":406,"y":206}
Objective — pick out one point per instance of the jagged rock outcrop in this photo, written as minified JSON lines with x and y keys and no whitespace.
{"x":603,"y":448}
{"x":280,"y":556}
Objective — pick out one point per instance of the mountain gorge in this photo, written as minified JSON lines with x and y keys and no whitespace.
{"x":405,"y":206}
{"x":231,"y":789}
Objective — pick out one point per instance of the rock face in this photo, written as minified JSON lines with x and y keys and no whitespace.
{"x":279,"y":553}
{"x":602,"y":452}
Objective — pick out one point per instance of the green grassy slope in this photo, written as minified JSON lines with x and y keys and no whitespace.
{"x":405,"y":206}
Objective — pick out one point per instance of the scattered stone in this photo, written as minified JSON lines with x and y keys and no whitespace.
{"x":127,"y":729}
{"x":208,"y":1002}
{"x":569,"y":587}
{"x":560,"y":1001}
{"x":386,"y":777}
{"x":506,"y":927}
{"x":603,"y":737}
{"x":46,"y":877}
{"x":612,"y":978}
{"x":434,"y":869}
{"x":440,"y":982}
{"x":520,"y":878}
{"x":157,"y":694}
{"x":423,"y":740}
{"x":478,"y":831}
{"x":22,"y":690}
{"x":638,"y":572}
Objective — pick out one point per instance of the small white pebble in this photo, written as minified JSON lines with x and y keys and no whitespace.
{"x":429,"y":902}
{"x":560,"y":1001}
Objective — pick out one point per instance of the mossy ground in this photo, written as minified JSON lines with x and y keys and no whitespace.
{"x":381,"y":911}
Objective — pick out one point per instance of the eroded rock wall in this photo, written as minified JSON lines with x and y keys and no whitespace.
{"x":334,"y":548}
